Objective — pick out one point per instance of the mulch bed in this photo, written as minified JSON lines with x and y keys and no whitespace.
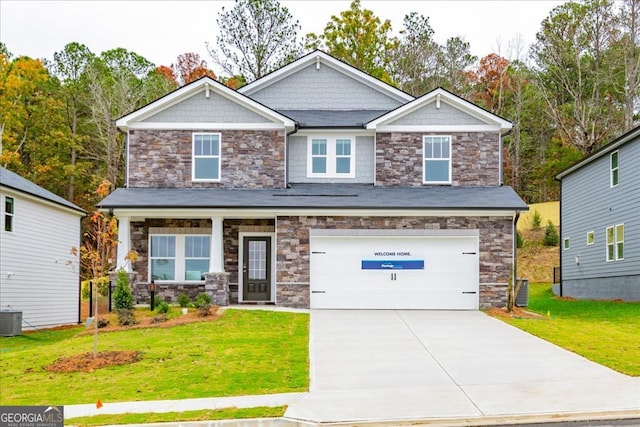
{"x":88,"y":363}
{"x":516,"y":313}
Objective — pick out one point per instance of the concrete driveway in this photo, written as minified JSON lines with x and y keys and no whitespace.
{"x":421,"y":365}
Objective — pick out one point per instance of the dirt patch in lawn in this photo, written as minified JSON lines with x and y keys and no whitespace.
{"x":88,"y":363}
{"x":516,"y":313}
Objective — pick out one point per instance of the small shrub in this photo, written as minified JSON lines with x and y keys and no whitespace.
{"x":122,"y":296}
{"x":126,"y":317}
{"x":159,"y":318}
{"x":536,"y":221}
{"x":203,"y":304}
{"x":519,"y":239}
{"x":157,"y":300}
{"x":551,"y":237}
{"x":102,"y":323}
{"x":162,"y":308}
{"x":184,"y":300}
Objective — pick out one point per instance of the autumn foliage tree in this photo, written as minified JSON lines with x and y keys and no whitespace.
{"x":190,"y":67}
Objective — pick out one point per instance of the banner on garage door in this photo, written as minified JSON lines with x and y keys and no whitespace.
{"x":414,"y":264}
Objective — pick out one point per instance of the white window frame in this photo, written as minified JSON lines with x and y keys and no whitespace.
{"x":180,"y":256}
{"x":615,"y":243}
{"x":425,"y":159}
{"x":591,"y":238}
{"x":566,"y":244}
{"x":9,"y":215}
{"x":331,"y":156}
{"x":194,"y":156}
{"x":614,"y":171}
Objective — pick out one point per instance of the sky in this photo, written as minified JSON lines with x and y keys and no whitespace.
{"x":162,"y":30}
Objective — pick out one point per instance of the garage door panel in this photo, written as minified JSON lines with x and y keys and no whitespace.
{"x":394,"y":272}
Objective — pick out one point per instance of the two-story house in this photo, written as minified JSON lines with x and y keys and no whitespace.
{"x":317,"y":186}
{"x":600,"y":233}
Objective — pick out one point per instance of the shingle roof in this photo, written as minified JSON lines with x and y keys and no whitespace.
{"x":332,"y":118}
{"x":16,"y":182}
{"x":319,"y":196}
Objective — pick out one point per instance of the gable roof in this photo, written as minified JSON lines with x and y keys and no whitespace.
{"x":16,"y":182}
{"x":206,"y":85}
{"x":319,"y":57}
{"x":437,"y":96}
{"x":632,"y":135}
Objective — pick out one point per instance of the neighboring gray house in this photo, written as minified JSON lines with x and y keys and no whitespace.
{"x":600,"y":217}
{"x":38,"y":274}
{"x":317,"y":186}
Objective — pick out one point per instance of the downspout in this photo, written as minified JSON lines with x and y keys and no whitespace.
{"x":79,"y":275}
{"x":560,"y":244}
{"x":286,"y":154}
{"x":515,"y":252}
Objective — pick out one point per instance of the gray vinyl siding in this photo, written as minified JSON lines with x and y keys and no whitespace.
{"x":590,"y":204}
{"x":297,"y":161}
{"x":200,"y":109}
{"x":323,"y":89}
{"x":445,"y":115}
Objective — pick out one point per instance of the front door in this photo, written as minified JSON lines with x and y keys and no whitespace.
{"x":256,"y":268}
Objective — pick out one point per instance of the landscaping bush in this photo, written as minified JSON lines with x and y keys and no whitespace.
{"x":551,"y":237}
{"x":203,"y":304}
{"x":122,"y":296}
{"x":126,"y":317}
{"x":162,"y":307}
{"x":184,"y":300}
{"x":157,"y":300}
{"x":159,"y":318}
{"x":536,"y":221}
{"x":103,"y":323}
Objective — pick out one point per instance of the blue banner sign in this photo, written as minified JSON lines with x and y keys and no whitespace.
{"x":405,"y":264}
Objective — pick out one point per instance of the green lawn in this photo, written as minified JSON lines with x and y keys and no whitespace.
{"x":243,"y":352}
{"x":606,"y":332}
{"x":153,"y":417}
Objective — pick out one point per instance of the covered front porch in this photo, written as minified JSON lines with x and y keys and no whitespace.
{"x":232,"y":259}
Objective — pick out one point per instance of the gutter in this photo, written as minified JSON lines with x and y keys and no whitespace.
{"x":515,"y":253}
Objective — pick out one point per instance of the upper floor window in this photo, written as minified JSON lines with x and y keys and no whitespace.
{"x":437,"y":160}
{"x":591,"y":238}
{"x":9,"y":207}
{"x":181,"y":257}
{"x":206,"y":157}
{"x":613,"y":160}
{"x":331,"y":157}
{"x":615,"y":243}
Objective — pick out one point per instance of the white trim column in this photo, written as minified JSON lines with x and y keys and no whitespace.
{"x":216,"y":259}
{"x":124,"y":244}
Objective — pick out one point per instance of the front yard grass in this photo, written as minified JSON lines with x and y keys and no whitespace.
{"x":154,"y":417}
{"x":243,"y":352}
{"x":607,"y":332}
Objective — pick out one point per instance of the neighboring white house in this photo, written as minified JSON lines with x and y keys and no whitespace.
{"x":38,"y":274}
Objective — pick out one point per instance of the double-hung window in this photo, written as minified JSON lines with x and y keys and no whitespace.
{"x":206,"y":157}
{"x":9,"y":207}
{"x":437,"y":160}
{"x":331,"y":157}
{"x":615,"y":243}
{"x":179,"y":257}
{"x":613,"y":164}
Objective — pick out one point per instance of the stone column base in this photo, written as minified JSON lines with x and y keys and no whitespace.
{"x":217,"y":286}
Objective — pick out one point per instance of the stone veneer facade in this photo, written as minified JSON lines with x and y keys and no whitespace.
{"x":475,"y":158}
{"x":163,"y":158}
{"x":292,"y":263}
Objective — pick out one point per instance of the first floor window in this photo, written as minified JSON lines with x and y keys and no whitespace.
{"x":331,"y":157}
{"x":182,"y":257}
{"x":437,"y":160}
{"x":591,"y":238}
{"x":206,"y":157}
{"x":566,"y":244}
{"x":8,"y":213}
{"x":615,"y":243}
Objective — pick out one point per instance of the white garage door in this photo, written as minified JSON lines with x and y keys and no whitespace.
{"x":391,"y":272}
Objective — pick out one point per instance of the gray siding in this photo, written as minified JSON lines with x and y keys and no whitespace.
{"x":323,"y":89}
{"x":199,"y":109}
{"x":297,"y":161}
{"x":430,"y":115}
{"x":589,"y":204}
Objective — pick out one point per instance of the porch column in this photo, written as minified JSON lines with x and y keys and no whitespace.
{"x":124,"y":244}
{"x":216,"y":260}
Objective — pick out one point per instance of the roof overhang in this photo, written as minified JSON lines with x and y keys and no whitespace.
{"x":135,"y":120}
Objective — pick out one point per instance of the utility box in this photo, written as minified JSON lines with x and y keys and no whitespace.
{"x":10,"y":323}
{"x":522,"y":299}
